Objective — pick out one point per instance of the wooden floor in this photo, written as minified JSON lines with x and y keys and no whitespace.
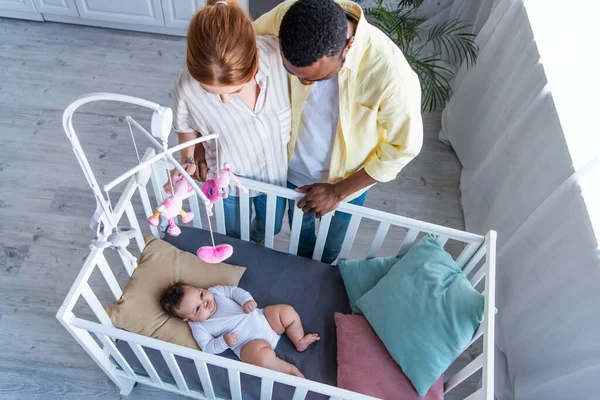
{"x":45,"y":203}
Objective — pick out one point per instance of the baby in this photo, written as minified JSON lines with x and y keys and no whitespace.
{"x":224,"y":317}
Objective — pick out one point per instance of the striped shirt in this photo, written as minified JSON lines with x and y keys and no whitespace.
{"x":253,"y":142}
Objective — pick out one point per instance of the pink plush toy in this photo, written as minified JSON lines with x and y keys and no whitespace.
{"x":172,"y":207}
{"x":214,"y":188}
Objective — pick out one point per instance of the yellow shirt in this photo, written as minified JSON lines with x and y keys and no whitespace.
{"x":380,"y":127}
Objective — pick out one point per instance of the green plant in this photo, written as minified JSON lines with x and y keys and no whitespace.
{"x":432,"y":51}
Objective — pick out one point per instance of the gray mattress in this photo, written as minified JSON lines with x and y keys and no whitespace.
{"x":316,"y":290}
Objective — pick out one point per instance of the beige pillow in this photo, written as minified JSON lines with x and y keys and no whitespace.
{"x":160,"y":265}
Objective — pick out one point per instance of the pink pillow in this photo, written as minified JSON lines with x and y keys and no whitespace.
{"x":365,"y":366}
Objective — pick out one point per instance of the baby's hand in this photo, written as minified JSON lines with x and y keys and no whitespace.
{"x":230,"y":339}
{"x":249,"y":306}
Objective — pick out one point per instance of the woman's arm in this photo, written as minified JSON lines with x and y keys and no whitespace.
{"x":186,"y":155}
{"x":186,"y":159}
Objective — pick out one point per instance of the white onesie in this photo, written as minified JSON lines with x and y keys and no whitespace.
{"x":230,"y":317}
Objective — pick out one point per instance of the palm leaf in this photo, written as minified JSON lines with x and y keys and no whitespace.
{"x":435,"y":86}
{"x":400,"y":25}
{"x":410,"y":3}
{"x":451,"y":39}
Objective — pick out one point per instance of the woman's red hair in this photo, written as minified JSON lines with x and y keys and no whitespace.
{"x":221,"y":45}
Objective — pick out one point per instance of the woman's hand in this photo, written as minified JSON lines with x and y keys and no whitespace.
{"x":249,"y":306}
{"x":175,"y":174}
{"x":230,"y":339}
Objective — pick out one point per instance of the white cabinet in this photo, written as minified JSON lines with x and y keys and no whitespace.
{"x":17,"y":5}
{"x":179,"y":12}
{"x":139,"y":12}
{"x":57,"y":7}
{"x":170,"y":17}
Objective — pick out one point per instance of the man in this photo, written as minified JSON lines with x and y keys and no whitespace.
{"x":356,"y":104}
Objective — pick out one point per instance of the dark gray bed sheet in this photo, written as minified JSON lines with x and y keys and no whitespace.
{"x":314,"y":289}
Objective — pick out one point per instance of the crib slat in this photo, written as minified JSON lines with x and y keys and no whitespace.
{"x":175,"y":371}
{"x":129,"y":266}
{"x":295,"y":230}
{"x":322,"y":236}
{"x":466,"y":254}
{"x":477,"y":277}
{"x":147,"y":208}
{"x":244,"y":216}
{"x":382,"y":231}
{"x":85,"y":340}
{"x":350,"y":236}
{"x":195,"y":208}
{"x":266,"y":389}
{"x":489,"y":267}
{"x":464,"y":373}
{"x":270,"y":221}
{"x":442,"y":239}
{"x":116,"y":354}
{"x":477,"y":334}
{"x":300,"y":394}
{"x":478,"y":395}
{"x":156,"y":185}
{"x":92,"y":301}
{"x":146,"y":363}
{"x":235,"y":385}
{"x":207,"y":386}
{"x":133,"y":222}
{"x":474,"y":260}
{"x":220,"y":216}
{"x":161,"y":176}
{"x":109,"y":277}
{"x":408,"y":241}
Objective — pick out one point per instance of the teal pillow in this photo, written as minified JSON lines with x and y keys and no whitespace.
{"x":360,"y":276}
{"x":425,"y":311}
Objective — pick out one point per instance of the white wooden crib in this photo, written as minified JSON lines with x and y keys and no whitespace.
{"x":98,"y":338}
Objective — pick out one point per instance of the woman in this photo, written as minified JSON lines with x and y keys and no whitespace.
{"x":235,"y":85}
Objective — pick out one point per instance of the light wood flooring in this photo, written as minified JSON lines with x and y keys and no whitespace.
{"x":45,"y":203}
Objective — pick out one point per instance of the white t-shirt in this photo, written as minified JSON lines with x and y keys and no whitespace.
{"x":318,"y":126}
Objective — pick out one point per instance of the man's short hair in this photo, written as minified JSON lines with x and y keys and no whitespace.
{"x":312,"y":29}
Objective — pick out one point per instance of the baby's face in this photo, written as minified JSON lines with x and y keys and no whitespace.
{"x":197,"y":304}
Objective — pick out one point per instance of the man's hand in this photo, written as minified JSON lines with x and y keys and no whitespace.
{"x":230,"y":339}
{"x":320,"y":199}
{"x":201,"y":171}
{"x":249,"y":306}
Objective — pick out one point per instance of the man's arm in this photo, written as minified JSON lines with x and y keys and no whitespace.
{"x":400,"y":115}
{"x":269,"y":23}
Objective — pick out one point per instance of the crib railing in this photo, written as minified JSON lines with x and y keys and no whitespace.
{"x":385,"y":221}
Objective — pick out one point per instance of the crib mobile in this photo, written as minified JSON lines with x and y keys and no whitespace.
{"x":107,"y":231}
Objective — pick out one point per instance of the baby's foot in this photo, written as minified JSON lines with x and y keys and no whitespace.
{"x":307,"y":341}
{"x":296,"y":372}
